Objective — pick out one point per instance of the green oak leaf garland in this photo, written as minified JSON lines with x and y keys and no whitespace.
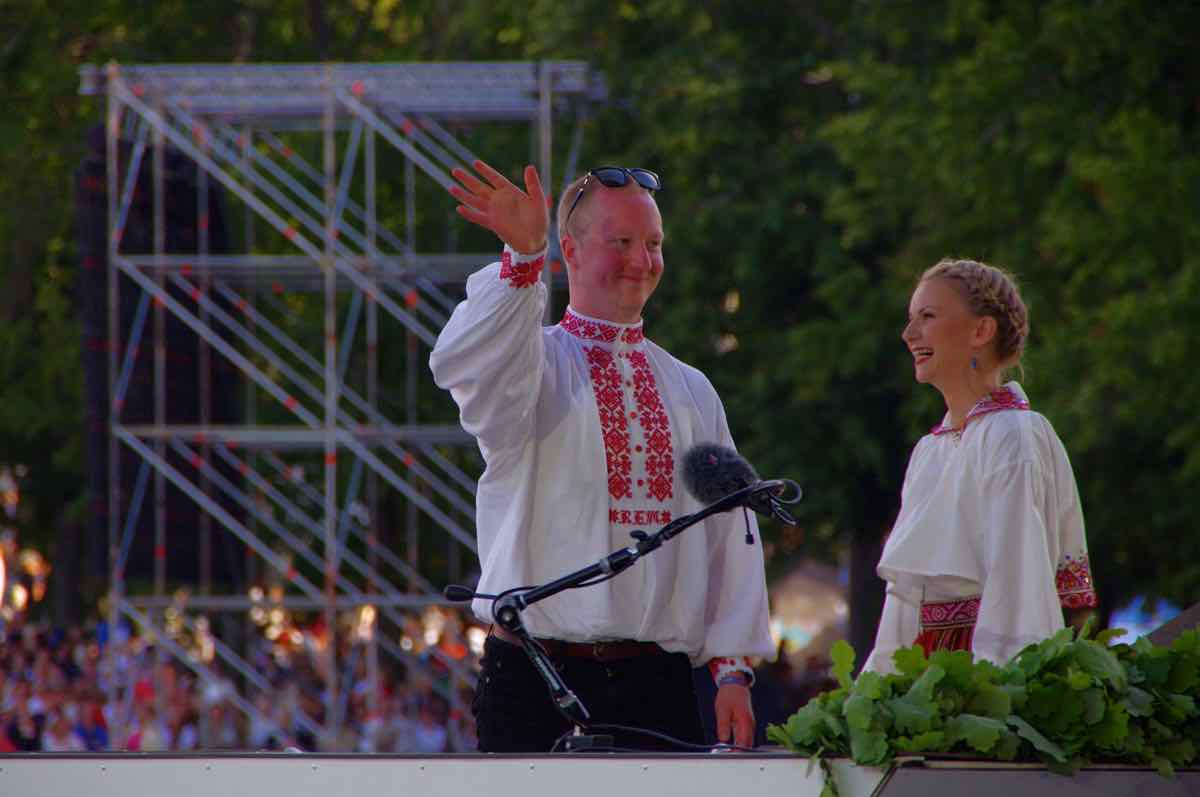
{"x":1067,"y":701}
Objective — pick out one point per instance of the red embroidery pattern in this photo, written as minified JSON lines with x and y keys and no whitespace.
{"x":588,"y":329}
{"x":940,"y":615}
{"x":520,"y":275}
{"x":656,"y":429}
{"x":606,"y":383}
{"x":1074,"y":582}
{"x":639,"y":517}
{"x":1004,"y":398}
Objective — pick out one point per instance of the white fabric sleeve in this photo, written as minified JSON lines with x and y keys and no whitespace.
{"x":898,"y":628}
{"x":1019,"y":604}
{"x":737,"y":613}
{"x":491,"y":354}
{"x":1076,"y":589}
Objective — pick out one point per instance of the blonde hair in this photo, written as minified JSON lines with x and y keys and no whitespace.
{"x":990,"y":291}
{"x":581,"y":210}
{"x":565,"y":201}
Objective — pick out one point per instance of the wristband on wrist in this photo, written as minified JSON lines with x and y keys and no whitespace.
{"x":724,"y":666}
{"x":739,"y":678}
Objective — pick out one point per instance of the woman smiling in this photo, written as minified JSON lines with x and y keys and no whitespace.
{"x":989,"y":544}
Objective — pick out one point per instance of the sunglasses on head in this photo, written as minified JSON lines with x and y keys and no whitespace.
{"x":615,"y":177}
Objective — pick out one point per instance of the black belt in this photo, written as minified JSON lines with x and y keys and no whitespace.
{"x":605,"y":651}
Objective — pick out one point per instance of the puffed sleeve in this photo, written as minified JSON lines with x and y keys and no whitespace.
{"x":737,"y":613}
{"x":1076,"y":590}
{"x":1019,"y":604}
{"x":490,"y":355}
{"x":898,"y":628}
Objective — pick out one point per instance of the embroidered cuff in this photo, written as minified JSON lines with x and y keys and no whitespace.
{"x":728,"y":667}
{"x":1074,"y":583}
{"x":519,"y":270}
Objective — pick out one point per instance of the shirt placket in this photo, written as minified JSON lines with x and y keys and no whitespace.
{"x":637,"y":435}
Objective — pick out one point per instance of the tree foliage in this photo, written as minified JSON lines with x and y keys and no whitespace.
{"x":817,"y":156}
{"x":1060,"y":141}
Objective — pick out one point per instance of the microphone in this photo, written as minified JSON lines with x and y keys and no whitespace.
{"x":713,"y":473}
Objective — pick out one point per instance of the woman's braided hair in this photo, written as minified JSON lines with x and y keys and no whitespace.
{"x":992,"y":292}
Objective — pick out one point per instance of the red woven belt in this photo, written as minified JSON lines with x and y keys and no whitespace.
{"x":949,"y":614}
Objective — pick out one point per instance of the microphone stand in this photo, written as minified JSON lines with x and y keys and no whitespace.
{"x":507,"y":608}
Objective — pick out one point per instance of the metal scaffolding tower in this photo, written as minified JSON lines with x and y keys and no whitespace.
{"x":294,"y":148}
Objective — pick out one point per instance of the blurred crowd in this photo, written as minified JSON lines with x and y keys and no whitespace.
{"x":57,"y":695}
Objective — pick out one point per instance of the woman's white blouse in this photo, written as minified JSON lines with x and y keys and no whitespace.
{"x":992,"y":512}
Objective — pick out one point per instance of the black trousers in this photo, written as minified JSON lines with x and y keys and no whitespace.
{"x":514,"y":713}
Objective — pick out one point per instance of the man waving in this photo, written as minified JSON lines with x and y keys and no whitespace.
{"x":581,"y":425}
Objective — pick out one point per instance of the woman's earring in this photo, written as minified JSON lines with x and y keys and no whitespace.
{"x":974,"y":364}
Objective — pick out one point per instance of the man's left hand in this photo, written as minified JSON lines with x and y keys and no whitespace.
{"x":735,"y":715}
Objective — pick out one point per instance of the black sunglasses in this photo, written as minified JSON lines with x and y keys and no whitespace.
{"x":615,"y":177}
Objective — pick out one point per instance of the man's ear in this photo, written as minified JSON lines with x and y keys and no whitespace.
{"x":569,"y":249}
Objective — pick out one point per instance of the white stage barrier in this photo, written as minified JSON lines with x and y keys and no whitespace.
{"x":581,"y":775}
{"x":314,"y":775}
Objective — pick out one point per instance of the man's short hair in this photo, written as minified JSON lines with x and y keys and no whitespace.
{"x":565,"y":202}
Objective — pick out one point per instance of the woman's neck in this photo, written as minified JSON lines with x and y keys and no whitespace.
{"x":961,"y":398}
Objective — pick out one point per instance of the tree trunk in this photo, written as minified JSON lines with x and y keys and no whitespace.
{"x":866,"y":593}
{"x":318,"y":22}
{"x":66,"y":579}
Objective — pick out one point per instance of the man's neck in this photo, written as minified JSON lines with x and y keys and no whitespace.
{"x":609,"y":315}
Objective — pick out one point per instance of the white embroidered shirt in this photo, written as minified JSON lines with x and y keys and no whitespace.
{"x":581,"y":426}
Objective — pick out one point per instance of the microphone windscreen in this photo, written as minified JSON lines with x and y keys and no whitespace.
{"x":711,"y":472}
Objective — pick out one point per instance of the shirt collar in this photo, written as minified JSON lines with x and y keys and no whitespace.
{"x":588,"y":328}
{"x":1008,"y":396}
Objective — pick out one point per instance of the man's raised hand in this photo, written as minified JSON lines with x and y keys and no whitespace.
{"x":520,"y":218}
